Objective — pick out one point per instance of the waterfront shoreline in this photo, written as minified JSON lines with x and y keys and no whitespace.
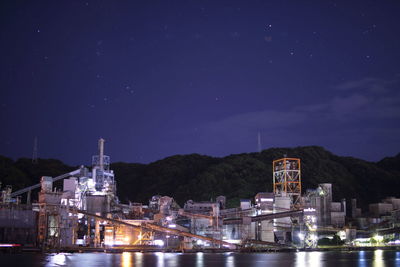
{"x":188,"y":251}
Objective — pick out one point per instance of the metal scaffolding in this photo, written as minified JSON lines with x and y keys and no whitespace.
{"x":287,"y":179}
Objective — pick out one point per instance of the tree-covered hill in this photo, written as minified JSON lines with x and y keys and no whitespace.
{"x":237,"y":176}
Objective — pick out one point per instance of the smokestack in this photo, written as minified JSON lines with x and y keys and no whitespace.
{"x":353,"y":208}
{"x":101,"y":153}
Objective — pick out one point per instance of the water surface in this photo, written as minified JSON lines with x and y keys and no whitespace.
{"x":377,"y":258}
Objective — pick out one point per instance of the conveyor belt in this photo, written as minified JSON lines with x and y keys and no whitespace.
{"x":265,"y":217}
{"x":158,"y":228}
{"x":30,"y":188}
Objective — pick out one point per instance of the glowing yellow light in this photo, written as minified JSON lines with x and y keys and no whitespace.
{"x":126,"y":259}
{"x":378,"y":238}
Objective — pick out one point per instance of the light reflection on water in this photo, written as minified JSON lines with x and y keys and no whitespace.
{"x":309,"y":259}
{"x":57,"y":259}
{"x":230,"y":261}
{"x":377,"y":258}
{"x":199,"y":259}
{"x":126,"y":259}
{"x":138,"y":258}
{"x":362,"y":262}
{"x":160,"y":259}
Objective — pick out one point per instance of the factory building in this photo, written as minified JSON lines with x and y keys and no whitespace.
{"x":383,"y":214}
{"x":18,"y":223}
{"x":328,"y":213}
{"x":87,"y":212}
{"x":385,"y":207}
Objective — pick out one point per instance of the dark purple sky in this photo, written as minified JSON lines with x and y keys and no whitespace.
{"x":158,"y":78}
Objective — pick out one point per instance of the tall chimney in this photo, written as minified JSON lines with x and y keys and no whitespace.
{"x":101,"y":153}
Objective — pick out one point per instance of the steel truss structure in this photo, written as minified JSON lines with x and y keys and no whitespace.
{"x":287,"y":179}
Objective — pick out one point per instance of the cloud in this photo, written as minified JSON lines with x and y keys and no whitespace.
{"x":352,"y":103}
{"x":368,"y":98}
{"x":380,"y":100}
{"x":351,"y":120}
{"x":253,"y":121}
{"x":369,"y":84}
{"x":357,"y":84}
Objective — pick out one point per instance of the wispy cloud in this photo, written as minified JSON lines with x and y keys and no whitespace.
{"x":366,"y":82}
{"x":253,"y":121}
{"x":369,"y":84}
{"x":362,"y":100}
{"x":357,"y":116}
{"x":347,"y":104}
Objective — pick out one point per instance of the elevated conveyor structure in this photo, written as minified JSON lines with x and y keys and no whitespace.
{"x":266,"y":217}
{"x":154,"y":227}
{"x":388,"y":231}
{"x":195,"y":215}
{"x":30,"y":188}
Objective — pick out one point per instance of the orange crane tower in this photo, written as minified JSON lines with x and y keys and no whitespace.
{"x":287,"y":179}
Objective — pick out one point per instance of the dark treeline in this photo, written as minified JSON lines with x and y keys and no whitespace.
{"x":237,"y":176}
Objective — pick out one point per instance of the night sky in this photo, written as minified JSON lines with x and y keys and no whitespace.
{"x":159,"y":78}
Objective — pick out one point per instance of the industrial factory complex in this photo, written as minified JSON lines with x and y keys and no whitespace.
{"x":87,"y":215}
